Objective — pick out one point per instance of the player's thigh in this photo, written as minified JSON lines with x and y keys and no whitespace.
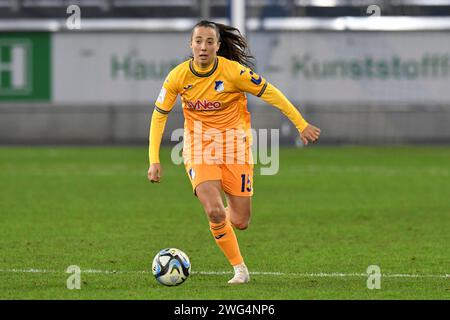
{"x":237,"y":179}
{"x":210,"y":195}
{"x":199,"y":173}
{"x":240,"y":209}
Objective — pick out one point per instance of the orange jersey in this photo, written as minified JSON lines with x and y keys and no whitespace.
{"x":214,"y":105}
{"x":213,"y":101}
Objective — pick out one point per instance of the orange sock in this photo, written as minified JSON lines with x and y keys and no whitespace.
{"x":226,"y":239}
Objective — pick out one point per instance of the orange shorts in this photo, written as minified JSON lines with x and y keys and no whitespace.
{"x":237,"y":179}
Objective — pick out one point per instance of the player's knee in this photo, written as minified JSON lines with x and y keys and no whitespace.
{"x":241,"y":221}
{"x":241,"y":225}
{"x":215,"y":212}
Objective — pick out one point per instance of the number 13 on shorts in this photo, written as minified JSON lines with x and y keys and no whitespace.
{"x":246,"y":183}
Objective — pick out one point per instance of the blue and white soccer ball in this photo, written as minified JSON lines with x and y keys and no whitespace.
{"x":171,"y":267}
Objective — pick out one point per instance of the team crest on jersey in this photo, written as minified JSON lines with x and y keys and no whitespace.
{"x":219,"y":86}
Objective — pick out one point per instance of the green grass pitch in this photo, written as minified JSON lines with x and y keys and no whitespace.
{"x":328,"y":214}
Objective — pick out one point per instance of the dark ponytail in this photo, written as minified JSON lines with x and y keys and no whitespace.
{"x":233,"y":45}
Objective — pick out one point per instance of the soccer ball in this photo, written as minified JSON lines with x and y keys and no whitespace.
{"x":171,"y":267}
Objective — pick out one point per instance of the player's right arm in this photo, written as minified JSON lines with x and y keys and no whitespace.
{"x":163,"y":105}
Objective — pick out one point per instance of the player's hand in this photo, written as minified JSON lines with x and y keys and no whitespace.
{"x":310,"y":134}
{"x":154,"y":173}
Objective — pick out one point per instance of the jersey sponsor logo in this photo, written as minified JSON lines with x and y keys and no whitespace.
{"x":219,"y":87}
{"x":204,"y":105}
{"x":254,"y":80}
{"x":162,"y":95}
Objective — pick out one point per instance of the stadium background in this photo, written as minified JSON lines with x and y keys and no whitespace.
{"x":75,"y":108}
{"x":365,"y":79}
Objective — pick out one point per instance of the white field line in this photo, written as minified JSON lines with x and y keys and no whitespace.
{"x":304,"y":275}
{"x":386,"y":171}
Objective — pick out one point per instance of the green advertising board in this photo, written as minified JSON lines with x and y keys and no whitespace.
{"x":25,"y":67}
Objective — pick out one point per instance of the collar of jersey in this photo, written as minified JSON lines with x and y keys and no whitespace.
{"x":207,"y":74}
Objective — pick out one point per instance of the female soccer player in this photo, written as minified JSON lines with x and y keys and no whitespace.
{"x":216,"y":147}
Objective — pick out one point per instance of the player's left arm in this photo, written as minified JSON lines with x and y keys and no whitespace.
{"x":249,"y":81}
{"x":273,"y":96}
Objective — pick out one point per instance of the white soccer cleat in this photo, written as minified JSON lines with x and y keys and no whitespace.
{"x":241,"y":274}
